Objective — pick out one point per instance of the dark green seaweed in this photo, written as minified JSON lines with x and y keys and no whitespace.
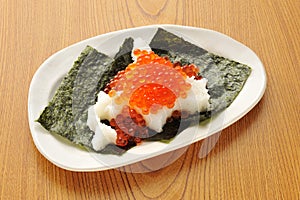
{"x":121,"y":60}
{"x":85,"y":90}
{"x":66,"y":113}
{"x":226,"y":77}
{"x":58,"y":117}
{"x":164,"y":42}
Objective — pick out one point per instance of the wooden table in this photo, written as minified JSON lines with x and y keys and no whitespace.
{"x":255,"y":158}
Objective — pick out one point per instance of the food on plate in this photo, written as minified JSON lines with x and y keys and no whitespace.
{"x":146,"y":92}
{"x":144,"y":96}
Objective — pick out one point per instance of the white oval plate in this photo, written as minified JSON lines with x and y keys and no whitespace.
{"x":51,"y":72}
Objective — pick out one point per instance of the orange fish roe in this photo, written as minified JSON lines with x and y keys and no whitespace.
{"x":130,"y":127}
{"x":190,"y":70}
{"x":150,"y":83}
{"x":151,"y":97}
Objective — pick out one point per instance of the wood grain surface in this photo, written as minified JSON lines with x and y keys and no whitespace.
{"x":255,"y":158}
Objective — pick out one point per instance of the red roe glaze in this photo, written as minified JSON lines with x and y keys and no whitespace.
{"x":148,"y":84}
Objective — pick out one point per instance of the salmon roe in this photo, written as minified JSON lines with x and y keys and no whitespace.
{"x":130,"y":127}
{"x":148,"y":84}
{"x":151,"y":82}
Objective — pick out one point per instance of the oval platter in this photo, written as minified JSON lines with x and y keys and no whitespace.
{"x":48,"y":76}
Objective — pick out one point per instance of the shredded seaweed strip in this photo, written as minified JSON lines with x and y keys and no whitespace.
{"x":66,"y":113}
{"x":226,"y":77}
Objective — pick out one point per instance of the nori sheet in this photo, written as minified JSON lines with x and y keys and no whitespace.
{"x":58,"y":116}
{"x":226,"y":77}
{"x":66,"y":113}
{"x":121,"y":60}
